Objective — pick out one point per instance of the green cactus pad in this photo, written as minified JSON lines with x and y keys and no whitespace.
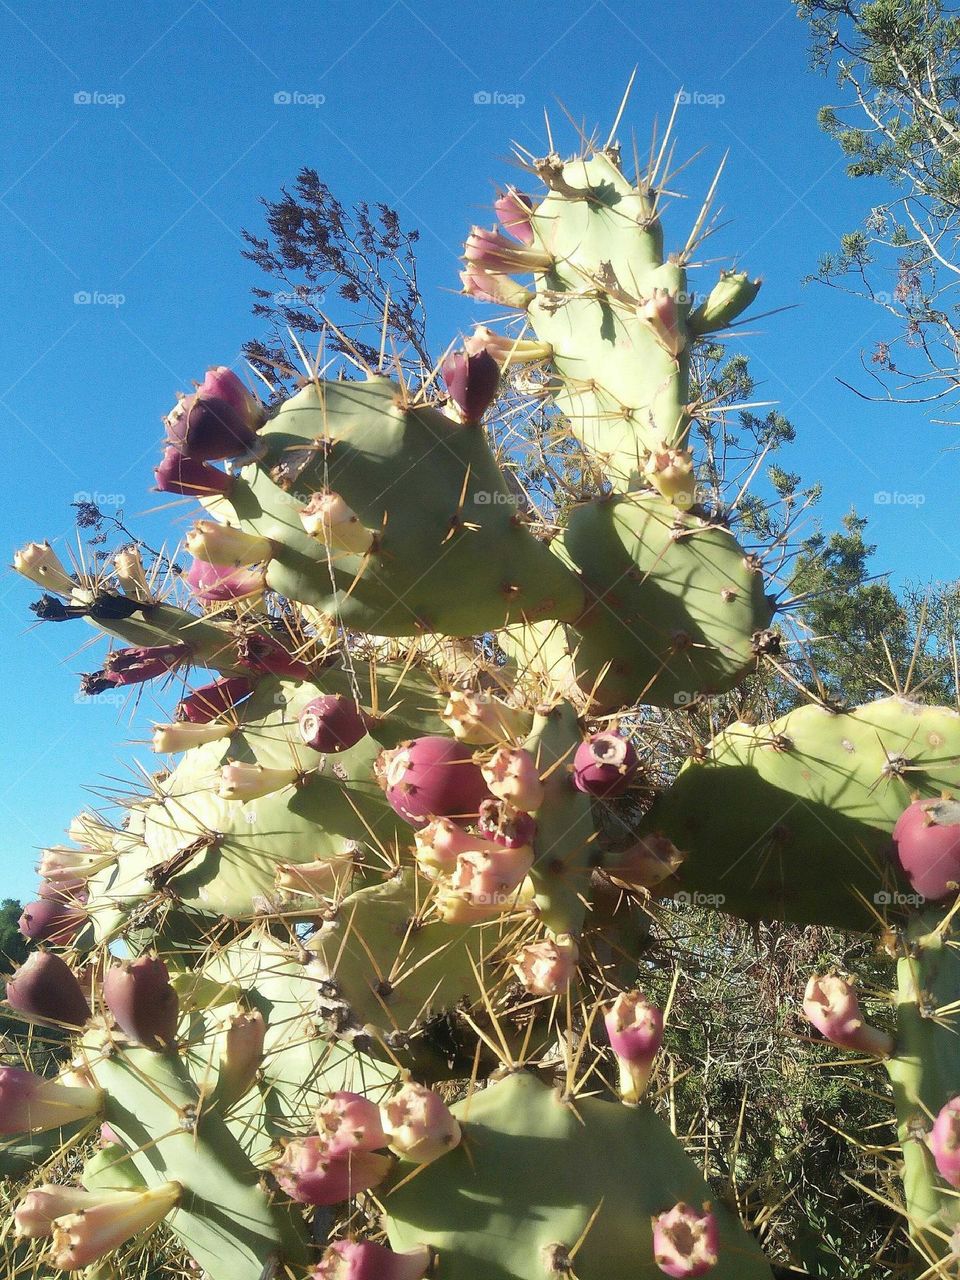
{"x":674,"y":603}
{"x":531,"y":1173}
{"x":792,"y":820}
{"x":451,"y":554}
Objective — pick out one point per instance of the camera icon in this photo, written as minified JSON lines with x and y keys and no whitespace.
{"x":683,"y":698}
{"x":682,"y":899}
{"x":82,"y":98}
{"x":882,"y":899}
{"x":282,"y":98}
{"x":82,"y":298}
{"x":483,"y":97}
{"x":482,"y":498}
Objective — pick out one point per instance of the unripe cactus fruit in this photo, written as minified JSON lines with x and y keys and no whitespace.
{"x":492,"y":251}
{"x":670,"y":471}
{"x":331,"y":723}
{"x":30,"y":1104}
{"x":944,"y":1142}
{"x":482,"y":718}
{"x":546,"y":968}
{"x":512,"y":775}
{"x":418,"y":1124}
{"x":84,"y":1236}
{"x":310,"y":1175}
{"x":830,"y":1004}
{"x":35,"y":1213}
{"x":645,"y":864}
{"x":331,"y":521}
{"x":635,"y":1030}
{"x":225,"y":545}
{"x":472,"y":381}
{"x":432,"y":777}
{"x":490,"y":286}
{"x":604,"y":765}
{"x":243,"y":782}
{"x":685,"y":1242}
{"x":46,"y":987}
{"x":41,"y":564}
{"x":349,"y":1122}
{"x":928,"y":851}
{"x":181,"y":737}
{"x":144,"y":1004}
{"x":364,"y":1260}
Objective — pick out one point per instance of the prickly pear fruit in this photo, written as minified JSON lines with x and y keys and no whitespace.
{"x":944,"y":1142}
{"x":546,"y":968}
{"x":732,"y":294}
{"x":418,"y":1124}
{"x":52,"y":919}
{"x":212,"y":700}
{"x":514,"y":210}
{"x":144,"y":1004}
{"x":604,"y":765}
{"x":432,"y":777}
{"x":36,"y":1211}
{"x":349,"y":1122}
{"x":221,"y":383}
{"x":830,"y":1004}
{"x":83,"y":1237}
{"x":310,"y":1175}
{"x":927,"y":850}
{"x":512,"y":775}
{"x":635,"y":1029}
{"x":685,"y":1242}
{"x":209,"y":429}
{"x":46,"y":987}
{"x":472,"y":381}
{"x":40,"y":563}
{"x":29,"y":1103}
{"x":189,"y":477}
{"x":218,"y":584}
{"x":331,"y":723}
{"x":364,"y":1260}
{"x":645,"y":864}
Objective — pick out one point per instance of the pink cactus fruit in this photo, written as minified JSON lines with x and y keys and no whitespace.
{"x":364,"y":1260}
{"x":212,"y":700}
{"x":310,"y":1175}
{"x":144,"y":1004}
{"x":928,"y":852}
{"x":348,"y":1122}
{"x":546,"y":968}
{"x":432,"y":777}
{"x":189,"y":477}
{"x":221,"y":383}
{"x":84,"y":1236}
{"x":472,"y":381}
{"x":944,"y":1142}
{"x":418,"y":1124}
{"x":52,"y":919}
{"x":209,"y":429}
{"x":29,"y":1103}
{"x":830,"y":1004}
{"x":512,"y":775}
{"x":331,"y":723}
{"x":604,"y":765}
{"x":213,"y":584}
{"x":504,"y":825}
{"x":635,"y":1030}
{"x":685,"y":1242}
{"x":46,"y":987}
{"x":514,"y":211}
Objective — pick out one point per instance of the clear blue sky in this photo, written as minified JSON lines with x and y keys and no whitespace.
{"x":144,"y":198}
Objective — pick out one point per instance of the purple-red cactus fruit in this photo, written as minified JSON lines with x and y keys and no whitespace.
{"x":189,"y":477}
{"x":349,"y":1122}
{"x":212,"y":700}
{"x":472,"y":381}
{"x":52,"y":920}
{"x":219,"y":583}
{"x":504,"y":825}
{"x":513,"y":209}
{"x":46,"y":987}
{"x":635,"y":1029}
{"x":136,"y":665}
{"x":830,"y":1004}
{"x":263,"y":653}
{"x":604,"y":765}
{"x":944,"y":1142}
{"x":332,"y":723}
{"x":928,"y":852}
{"x":139,"y":995}
{"x":364,"y":1260}
{"x":685,"y":1242}
{"x":310,"y":1175}
{"x":221,"y":383}
{"x":209,"y":429}
{"x":432,"y":777}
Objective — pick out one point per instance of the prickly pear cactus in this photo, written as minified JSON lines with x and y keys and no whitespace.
{"x":378,"y":909}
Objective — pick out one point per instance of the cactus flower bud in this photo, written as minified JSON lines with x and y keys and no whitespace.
{"x":944,"y":1142}
{"x":189,"y":477}
{"x":686,"y":1243}
{"x":348,"y":1122}
{"x":604,"y":765}
{"x":331,"y":521}
{"x":241,"y":1057}
{"x":51,"y":919}
{"x":331,"y":723}
{"x":512,"y":775}
{"x":82,"y":1237}
{"x":514,"y":211}
{"x":223,"y":544}
{"x":213,"y":584}
{"x":660,"y":313}
{"x":319,"y":879}
{"x":29,"y":1103}
{"x":472,"y":380}
{"x":40,"y":563}
{"x":144,"y":1004}
{"x":492,"y":251}
{"x":46,"y":987}
{"x":506,"y":350}
{"x":733,"y":293}
{"x":645,"y":864}
{"x":209,"y":430}
{"x":831,"y":1005}
{"x":635,"y":1030}
{"x":419,"y":1125}
{"x":221,"y":383}
{"x":251,"y":781}
{"x":310,"y":1175}
{"x":182,"y":736}
{"x":546,"y":968}
{"x":364,"y":1260}
{"x":490,"y":286}
{"x":212,"y":700}
{"x":35,"y":1214}
{"x":481,"y":718}
{"x":87,"y":830}
{"x":670,"y":471}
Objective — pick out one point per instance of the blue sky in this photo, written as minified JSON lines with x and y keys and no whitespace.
{"x":139,"y":139}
